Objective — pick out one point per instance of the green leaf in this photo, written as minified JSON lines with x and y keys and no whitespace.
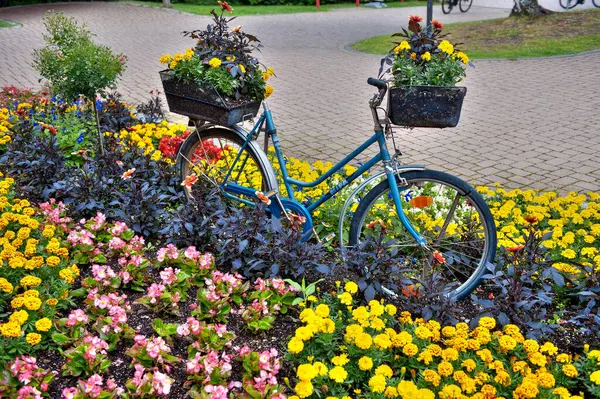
{"x":60,"y":339}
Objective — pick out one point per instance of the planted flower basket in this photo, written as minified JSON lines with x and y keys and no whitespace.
{"x":205,"y":103}
{"x":425,"y":106}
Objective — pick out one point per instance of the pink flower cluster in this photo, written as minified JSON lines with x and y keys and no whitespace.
{"x":113,"y":305}
{"x":92,"y":387}
{"x":221,"y":285}
{"x":169,"y":251}
{"x":278,"y":284}
{"x":103,"y":274}
{"x":94,"y":346}
{"x":156,"y":348}
{"x":81,"y":236}
{"x":76,"y":316}
{"x":269,"y":365}
{"x":209,"y":363}
{"x":54,"y":211}
{"x":160,"y":382}
{"x":98,"y":221}
{"x":25,"y":369}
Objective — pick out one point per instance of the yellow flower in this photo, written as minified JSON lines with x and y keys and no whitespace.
{"x":351,"y":287}
{"x":345,"y":298}
{"x":446,"y":47}
{"x":242,"y":68}
{"x":445,"y":369}
{"x":306,"y":372}
{"x":404,"y":45}
{"x":384,"y":370}
{"x":487,"y":322}
{"x":423,"y":332}
{"x":214,"y":63}
{"x":426,"y":56}
{"x":304,"y":389}
{"x":322,"y":310}
{"x":569,"y":370}
{"x":595,"y":377}
{"x":462,"y":57}
{"x":268,"y":91}
{"x":33,"y":338}
{"x":165,"y":59}
{"x":340,"y":360}
{"x":19,"y":317}
{"x":295,"y":345}
{"x":365,"y":363}
{"x":410,"y":350}
{"x":377,"y":383}
{"x":338,"y":374}
{"x":43,"y":324}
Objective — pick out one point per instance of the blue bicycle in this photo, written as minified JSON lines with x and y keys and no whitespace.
{"x":440,"y":223}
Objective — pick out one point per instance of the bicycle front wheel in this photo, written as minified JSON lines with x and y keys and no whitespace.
{"x":210,"y":154}
{"x":465,"y":5}
{"x":596,"y":3}
{"x":447,"y":6}
{"x":452,"y":217}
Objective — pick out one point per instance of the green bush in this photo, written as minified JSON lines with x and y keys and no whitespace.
{"x":73,"y":64}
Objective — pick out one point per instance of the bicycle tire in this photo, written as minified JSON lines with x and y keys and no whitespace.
{"x":465,"y":5}
{"x":596,"y":3}
{"x":256,"y":169}
{"x":568,"y":4}
{"x":475,"y":251}
{"x":446,"y":6}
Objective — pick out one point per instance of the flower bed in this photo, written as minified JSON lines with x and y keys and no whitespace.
{"x":183,"y":320}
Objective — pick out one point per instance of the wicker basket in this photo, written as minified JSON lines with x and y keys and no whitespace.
{"x":425,"y":106}
{"x":204,"y":103}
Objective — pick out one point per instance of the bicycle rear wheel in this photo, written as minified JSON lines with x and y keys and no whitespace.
{"x":446,"y":6}
{"x":465,"y":5}
{"x":568,"y":4}
{"x":453,"y":218}
{"x":209,"y":153}
{"x":596,"y":3}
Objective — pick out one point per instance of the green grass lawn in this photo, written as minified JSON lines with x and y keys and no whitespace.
{"x":264,"y":10}
{"x":556,"y":34}
{"x":5,"y":24}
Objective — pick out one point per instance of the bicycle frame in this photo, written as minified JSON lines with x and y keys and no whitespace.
{"x":266,"y":120}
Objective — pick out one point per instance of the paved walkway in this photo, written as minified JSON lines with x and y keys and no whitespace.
{"x":526,"y":123}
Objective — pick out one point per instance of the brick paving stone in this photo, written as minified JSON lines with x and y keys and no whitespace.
{"x":529,"y":123}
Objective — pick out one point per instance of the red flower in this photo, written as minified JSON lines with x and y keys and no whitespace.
{"x":439,"y":257}
{"x":410,"y":290}
{"x":531,"y":219}
{"x":437,"y":24}
{"x":415,"y":18}
{"x":515,"y":248}
{"x":225,"y":6}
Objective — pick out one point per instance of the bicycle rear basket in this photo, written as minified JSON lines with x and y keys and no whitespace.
{"x":204,"y":103}
{"x":425,"y":106}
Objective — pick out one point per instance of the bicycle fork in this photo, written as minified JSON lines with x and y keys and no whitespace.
{"x":391,"y":173}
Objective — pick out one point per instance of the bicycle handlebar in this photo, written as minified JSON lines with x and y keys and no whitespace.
{"x":380,"y":84}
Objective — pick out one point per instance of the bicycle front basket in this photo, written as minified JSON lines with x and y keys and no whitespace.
{"x":425,"y":106}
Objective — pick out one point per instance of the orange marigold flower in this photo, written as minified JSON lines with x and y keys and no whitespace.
{"x":439,"y":257}
{"x":263,"y":197}
{"x":415,"y":18}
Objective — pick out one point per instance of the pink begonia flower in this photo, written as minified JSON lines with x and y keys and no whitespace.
{"x":140,"y":340}
{"x":192,"y":253}
{"x":162,"y":383}
{"x":183,"y":330}
{"x":99,"y":221}
{"x":116,"y":243}
{"x":118,"y":229}
{"x":28,"y":392}
{"x":169,"y":275}
{"x":216,"y":391}
{"x":206,"y":261}
{"x":69,"y":393}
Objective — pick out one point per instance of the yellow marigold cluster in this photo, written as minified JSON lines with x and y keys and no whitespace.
{"x":30,"y":250}
{"x":379,"y":353}
{"x":5,"y":126}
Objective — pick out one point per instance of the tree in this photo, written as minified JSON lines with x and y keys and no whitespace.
{"x":74,"y":65}
{"x":529,"y":8}
{"x":167,"y":4}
